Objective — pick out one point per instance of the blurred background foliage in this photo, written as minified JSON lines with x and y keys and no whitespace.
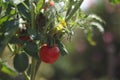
{"x":85,"y":61}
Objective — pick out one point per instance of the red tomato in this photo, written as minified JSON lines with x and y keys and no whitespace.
{"x":49,"y":54}
{"x":24,"y":38}
{"x":51,"y":3}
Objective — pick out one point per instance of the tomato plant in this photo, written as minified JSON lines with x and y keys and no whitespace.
{"x":37,"y":22}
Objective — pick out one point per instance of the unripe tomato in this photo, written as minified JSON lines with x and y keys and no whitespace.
{"x":49,"y":54}
{"x":21,"y":62}
{"x":51,"y":3}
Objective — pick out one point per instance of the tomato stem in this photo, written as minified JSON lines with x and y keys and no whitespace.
{"x":10,"y":48}
{"x":35,"y":66}
{"x":32,"y":7}
{"x":26,"y":76}
{"x":32,"y":69}
{"x":50,"y":41}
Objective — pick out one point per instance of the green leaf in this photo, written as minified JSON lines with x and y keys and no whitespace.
{"x":70,"y":4}
{"x":97,"y":18}
{"x":31,"y":31}
{"x":62,"y":48}
{"x":98,"y":25}
{"x":9,"y":8}
{"x":3,"y":19}
{"x":114,"y":1}
{"x":73,"y":11}
{"x":15,"y":40}
{"x":39,"y":6}
{"x":11,"y":28}
{"x":89,"y":38}
{"x":21,"y":62}
{"x":0,"y":10}
{"x":31,"y":49}
{"x":24,"y":11}
{"x":6,"y":69}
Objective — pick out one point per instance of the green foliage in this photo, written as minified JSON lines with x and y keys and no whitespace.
{"x":115,"y":1}
{"x":31,"y":49}
{"x":6,"y":69}
{"x":24,"y":27}
{"x":9,"y":28}
{"x":23,"y":10}
{"x":39,"y":5}
{"x":62,"y":48}
{"x":73,"y":7}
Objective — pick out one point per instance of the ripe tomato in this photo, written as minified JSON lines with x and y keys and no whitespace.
{"x":24,"y":38}
{"x":49,"y":54}
{"x":51,"y":3}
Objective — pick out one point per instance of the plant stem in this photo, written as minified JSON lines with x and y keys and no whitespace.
{"x":26,"y":76}
{"x":35,"y":63}
{"x":37,"y":66}
{"x":32,"y":14}
{"x":33,"y":69}
{"x":10,"y":48}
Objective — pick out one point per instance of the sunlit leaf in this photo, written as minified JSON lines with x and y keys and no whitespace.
{"x":89,"y":38}
{"x":98,"y":25}
{"x":75,"y":8}
{"x":93,"y":16}
{"x":39,"y":5}
{"x":6,"y":69}
{"x":115,"y":1}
